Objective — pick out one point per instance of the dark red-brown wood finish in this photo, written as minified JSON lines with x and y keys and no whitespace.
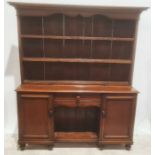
{"x":76,"y":67}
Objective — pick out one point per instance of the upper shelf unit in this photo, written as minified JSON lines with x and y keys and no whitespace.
{"x":76,"y":44}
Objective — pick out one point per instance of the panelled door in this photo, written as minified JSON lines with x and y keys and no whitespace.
{"x":117,"y":117}
{"x":35,"y":116}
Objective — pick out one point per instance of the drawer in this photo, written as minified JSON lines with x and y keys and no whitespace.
{"x":77,"y":100}
{"x":87,"y":100}
{"x":67,"y":100}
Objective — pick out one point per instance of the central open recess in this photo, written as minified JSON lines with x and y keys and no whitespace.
{"x":76,"y":123}
{"x":76,"y":119}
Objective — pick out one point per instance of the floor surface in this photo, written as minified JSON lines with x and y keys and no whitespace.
{"x":141,"y":147}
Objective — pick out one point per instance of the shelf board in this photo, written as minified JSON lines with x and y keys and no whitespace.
{"x":78,"y":60}
{"x":76,"y":136}
{"x":70,"y":82}
{"x":76,"y":37}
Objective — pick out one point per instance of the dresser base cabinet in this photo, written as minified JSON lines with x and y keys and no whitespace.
{"x":102,"y":119}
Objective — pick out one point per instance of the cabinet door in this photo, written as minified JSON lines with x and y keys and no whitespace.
{"x":117,"y":117}
{"x":34,"y":116}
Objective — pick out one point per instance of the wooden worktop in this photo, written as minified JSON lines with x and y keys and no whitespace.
{"x":75,"y":88}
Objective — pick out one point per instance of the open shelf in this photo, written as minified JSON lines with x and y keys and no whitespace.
{"x":76,"y":136}
{"x":30,"y":46}
{"x":71,"y":60}
{"x":52,"y":25}
{"x":124,"y":28}
{"x":75,"y":37}
{"x":31,"y":25}
{"x":75,"y":71}
{"x":95,"y":25}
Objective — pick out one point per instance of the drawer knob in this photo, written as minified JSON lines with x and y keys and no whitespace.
{"x":103,"y":113}
{"x":50,"y":113}
{"x":78,"y":97}
{"x":77,"y":100}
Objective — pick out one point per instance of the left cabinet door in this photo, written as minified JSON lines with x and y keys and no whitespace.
{"x":35,"y":117}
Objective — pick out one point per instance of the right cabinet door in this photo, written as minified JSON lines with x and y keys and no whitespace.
{"x":117,"y":117}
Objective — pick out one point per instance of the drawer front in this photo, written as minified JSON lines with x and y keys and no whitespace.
{"x":66,"y":100}
{"x":87,"y":100}
{"x":77,"y":100}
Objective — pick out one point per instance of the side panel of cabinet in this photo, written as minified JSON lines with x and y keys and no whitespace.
{"x":34,"y":120}
{"x":117,"y":118}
